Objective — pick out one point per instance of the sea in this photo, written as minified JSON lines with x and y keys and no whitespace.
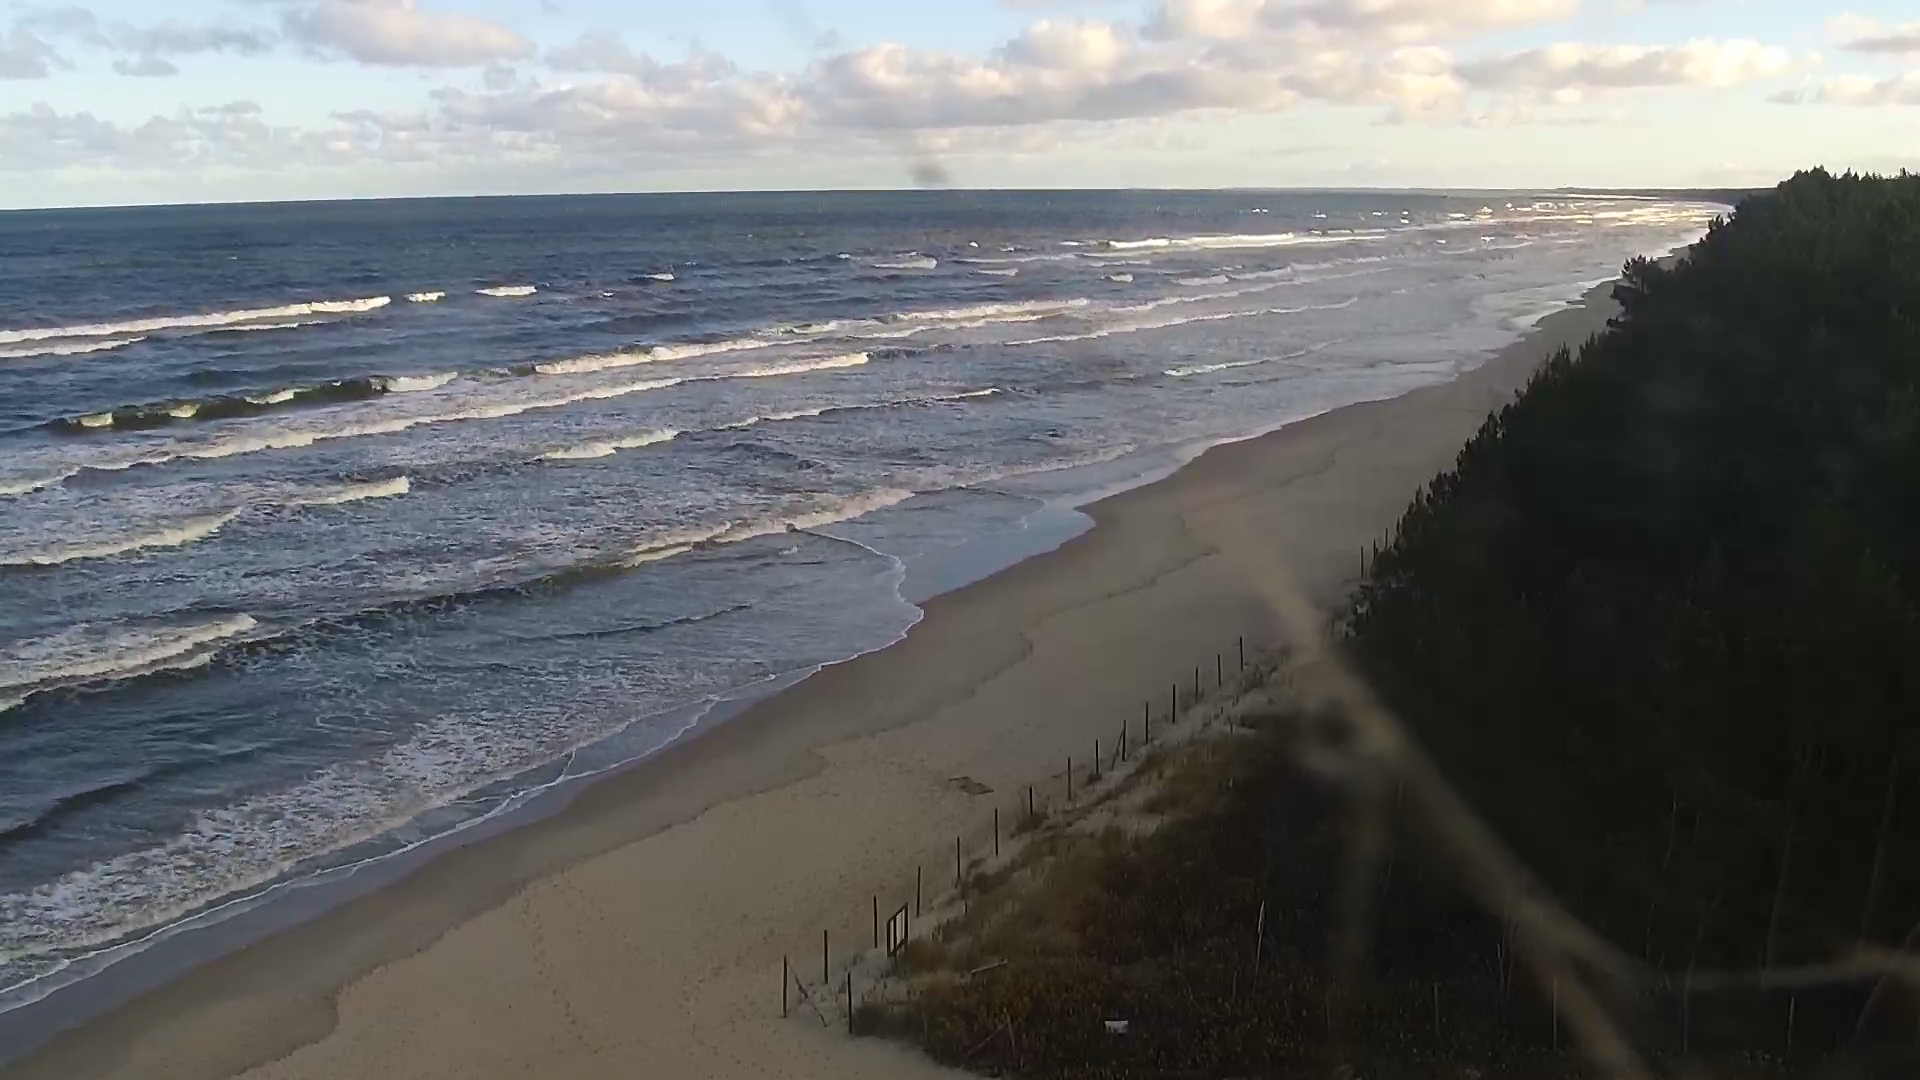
{"x":330,"y":530}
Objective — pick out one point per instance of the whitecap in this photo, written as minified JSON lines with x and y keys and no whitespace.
{"x":610,"y":447}
{"x":97,"y":420}
{"x":31,"y":484}
{"x":69,"y":348}
{"x":185,"y":532}
{"x":185,"y":322}
{"x":379,"y":489}
{"x":661,"y":277}
{"x":508,"y":291}
{"x":993,"y":272}
{"x":908,"y":262}
{"x":92,"y":651}
{"x":1124,"y":279}
{"x":1208,"y":369}
{"x":408,"y":384}
{"x":425,"y":297}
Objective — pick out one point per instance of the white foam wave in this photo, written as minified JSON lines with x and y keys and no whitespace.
{"x":251,"y":327}
{"x":798,"y":367}
{"x":91,"y":651}
{"x":831,"y":511}
{"x":998,"y":272}
{"x":661,"y":277}
{"x":425,"y":297}
{"x":582,"y":365}
{"x":1015,"y":311}
{"x":1208,"y":369}
{"x":1164,"y":324}
{"x":408,"y":384}
{"x":274,"y":398}
{"x":1064,"y":256}
{"x":29,"y":485}
{"x":185,"y":532}
{"x":1236,"y":241}
{"x":70,"y":348}
{"x":908,"y":262}
{"x":774,"y":418}
{"x":11,"y":701}
{"x":1123,"y":279}
{"x":379,"y":489}
{"x":610,"y":447}
{"x":97,"y":420}
{"x":189,"y":322}
{"x":1195,"y":282}
{"x":508,"y":291}
{"x":184,"y":411}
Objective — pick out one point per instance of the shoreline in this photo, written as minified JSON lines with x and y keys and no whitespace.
{"x":818,"y":794}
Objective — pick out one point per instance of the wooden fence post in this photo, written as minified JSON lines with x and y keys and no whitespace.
{"x":849,"y":1002}
{"x":826,"y":974}
{"x":916,"y":890}
{"x":1243,"y":653}
{"x":1069,"y":777}
{"x":996,"y":832}
{"x":876,"y":920}
{"x":784,"y":969}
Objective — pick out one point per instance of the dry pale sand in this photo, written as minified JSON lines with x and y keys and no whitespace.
{"x":640,"y":932}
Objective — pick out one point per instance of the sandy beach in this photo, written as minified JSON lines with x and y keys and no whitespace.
{"x":640,"y":932}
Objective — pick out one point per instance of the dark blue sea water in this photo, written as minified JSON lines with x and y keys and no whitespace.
{"x":327,"y":528}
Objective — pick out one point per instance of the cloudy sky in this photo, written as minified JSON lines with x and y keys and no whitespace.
{"x":138,"y":101}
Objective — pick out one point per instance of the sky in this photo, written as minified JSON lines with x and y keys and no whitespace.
{"x":162,"y":101}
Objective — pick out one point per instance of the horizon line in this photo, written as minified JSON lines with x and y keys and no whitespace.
{"x":1561,"y":189}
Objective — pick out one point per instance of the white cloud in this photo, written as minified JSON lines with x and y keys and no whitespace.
{"x":148,"y":45}
{"x":1858,"y":90}
{"x":1574,"y":67}
{"x":25,"y":55}
{"x":146,"y":67}
{"x":608,"y":53}
{"x":1856,"y":33}
{"x":1379,"y":21}
{"x":171,"y":38}
{"x":398,"y":32}
{"x":596,"y":106}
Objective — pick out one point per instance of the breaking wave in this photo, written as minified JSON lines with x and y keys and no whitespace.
{"x":68,"y":348}
{"x":910,"y":261}
{"x":185,"y":532}
{"x":508,"y":291}
{"x":610,"y":447}
{"x":192,"y":322}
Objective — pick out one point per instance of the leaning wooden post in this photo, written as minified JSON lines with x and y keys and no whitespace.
{"x":1146,"y":722}
{"x":957,"y":881}
{"x":1096,"y":759}
{"x":1219,"y":671}
{"x":1069,"y":777}
{"x":1196,"y":684}
{"x":916,"y":890}
{"x":784,"y":970}
{"x":1243,"y":654}
{"x":876,"y":921}
{"x":1173,"y":703}
{"x":1031,"y":818}
{"x":826,"y":974}
{"x":996,"y":832}
{"x":849,"y":1002}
